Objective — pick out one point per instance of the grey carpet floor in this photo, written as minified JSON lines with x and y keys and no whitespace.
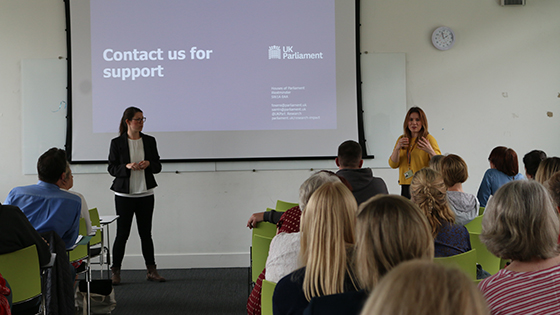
{"x":186,"y":291}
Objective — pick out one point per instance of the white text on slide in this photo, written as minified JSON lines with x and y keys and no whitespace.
{"x":135,"y":55}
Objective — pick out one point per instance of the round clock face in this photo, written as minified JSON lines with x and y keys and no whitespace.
{"x":443,"y":38}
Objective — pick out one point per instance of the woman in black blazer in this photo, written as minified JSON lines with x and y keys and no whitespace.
{"x":133,"y":161}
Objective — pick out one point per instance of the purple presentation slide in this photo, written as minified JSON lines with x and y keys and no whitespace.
{"x":215,"y":65}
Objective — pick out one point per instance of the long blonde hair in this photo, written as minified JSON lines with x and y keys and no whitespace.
{"x":425,"y":288}
{"x":327,"y":233}
{"x":409,"y":233}
{"x":429,"y":192}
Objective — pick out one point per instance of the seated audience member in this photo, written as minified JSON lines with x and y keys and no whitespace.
{"x":520,"y":223}
{"x":349,"y":162}
{"x":284,"y":248}
{"x":376,"y":254}
{"x":66,"y":185}
{"x":531,"y":161}
{"x":435,"y":162}
{"x":547,"y":168}
{"x":429,"y":192}
{"x":455,"y":172}
{"x":425,"y":288}
{"x":17,"y":233}
{"x":327,"y":236}
{"x":504,"y":168}
{"x":47,"y":207}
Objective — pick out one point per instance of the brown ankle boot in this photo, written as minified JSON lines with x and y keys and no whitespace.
{"x":116,"y":277}
{"x":153,"y":275}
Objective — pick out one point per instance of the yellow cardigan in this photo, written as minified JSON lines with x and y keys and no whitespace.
{"x":418,"y":160}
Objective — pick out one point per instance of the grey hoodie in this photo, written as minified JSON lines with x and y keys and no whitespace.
{"x":464,"y":205}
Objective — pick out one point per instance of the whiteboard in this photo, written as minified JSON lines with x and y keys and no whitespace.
{"x":43,"y":89}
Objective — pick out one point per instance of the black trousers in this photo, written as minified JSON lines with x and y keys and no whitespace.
{"x":405,"y":191}
{"x":143,"y":208}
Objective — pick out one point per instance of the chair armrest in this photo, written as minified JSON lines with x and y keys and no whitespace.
{"x":51,"y":262}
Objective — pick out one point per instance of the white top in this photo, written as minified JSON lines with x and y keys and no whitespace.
{"x":84,"y":213}
{"x":283,"y":256}
{"x":137,"y":178}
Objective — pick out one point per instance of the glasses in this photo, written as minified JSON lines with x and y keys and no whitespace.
{"x":143,"y":119}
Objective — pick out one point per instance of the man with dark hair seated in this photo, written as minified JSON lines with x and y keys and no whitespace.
{"x":55,"y":214}
{"x":532,"y":161}
{"x":46,"y":206}
{"x":349,"y":162}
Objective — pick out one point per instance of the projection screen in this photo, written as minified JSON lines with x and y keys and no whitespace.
{"x":215,"y":79}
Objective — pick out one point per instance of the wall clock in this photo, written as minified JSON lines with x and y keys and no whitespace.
{"x":443,"y":38}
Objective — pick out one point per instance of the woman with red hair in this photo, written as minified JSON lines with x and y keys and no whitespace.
{"x":504,"y":167}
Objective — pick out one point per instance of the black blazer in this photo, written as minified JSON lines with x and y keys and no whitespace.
{"x":119,"y":156}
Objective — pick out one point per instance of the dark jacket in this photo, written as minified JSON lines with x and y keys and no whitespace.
{"x":364,"y":184}
{"x":119,"y":156}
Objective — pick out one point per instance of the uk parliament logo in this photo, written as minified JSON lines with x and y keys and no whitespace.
{"x":274,"y":52}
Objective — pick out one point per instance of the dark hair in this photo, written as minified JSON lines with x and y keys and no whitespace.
{"x":128,"y":115}
{"x":532,"y":161}
{"x":349,"y":154}
{"x":424,"y":131}
{"x":51,"y":165}
{"x":505,"y":160}
{"x":454,"y":170}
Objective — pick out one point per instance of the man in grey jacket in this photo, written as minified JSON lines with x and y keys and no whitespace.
{"x":349,"y":162}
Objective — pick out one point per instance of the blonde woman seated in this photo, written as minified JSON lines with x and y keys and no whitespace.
{"x":547,"y":168}
{"x":521,"y":223}
{"x":455,"y":172}
{"x":376,"y":254}
{"x":425,"y":288}
{"x":284,"y":248}
{"x":327,"y":236}
{"x":429,"y":193}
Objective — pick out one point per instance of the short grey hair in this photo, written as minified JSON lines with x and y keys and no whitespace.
{"x":521,"y":223}
{"x":313,"y":183}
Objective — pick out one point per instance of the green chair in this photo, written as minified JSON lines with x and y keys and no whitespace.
{"x":475,"y":226}
{"x":465,"y":261}
{"x":284,"y":205}
{"x":22,"y":271}
{"x":265,"y":228}
{"x":80,"y":251}
{"x":481,"y":210}
{"x":97,"y":248}
{"x":266,"y":297}
{"x":486,"y":259}
{"x":259,"y":254}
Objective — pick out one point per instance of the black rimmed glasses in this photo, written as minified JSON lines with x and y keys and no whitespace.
{"x":138,"y":120}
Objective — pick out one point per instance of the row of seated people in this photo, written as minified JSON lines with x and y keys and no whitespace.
{"x":47,"y":215}
{"x":429,"y":191}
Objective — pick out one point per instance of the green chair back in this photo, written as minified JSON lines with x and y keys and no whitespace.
{"x":481,"y":210}
{"x":465,"y":261}
{"x":94,"y":217}
{"x":259,"y":254}
{"x":266,"y":297}
{"x":486,"y":259}
{"x":21,"y":269}
{"x":284,"y":205}
{"x":266,"y":229}
{"x":475,"y":226}
{"x":80,"y":251}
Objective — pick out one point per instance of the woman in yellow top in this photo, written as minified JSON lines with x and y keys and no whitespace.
{"x":413,"y":149}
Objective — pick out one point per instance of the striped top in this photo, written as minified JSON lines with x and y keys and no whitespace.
{"x":510,"y":292}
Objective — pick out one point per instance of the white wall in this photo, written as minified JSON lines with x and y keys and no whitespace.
{"x":200,"y":216}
